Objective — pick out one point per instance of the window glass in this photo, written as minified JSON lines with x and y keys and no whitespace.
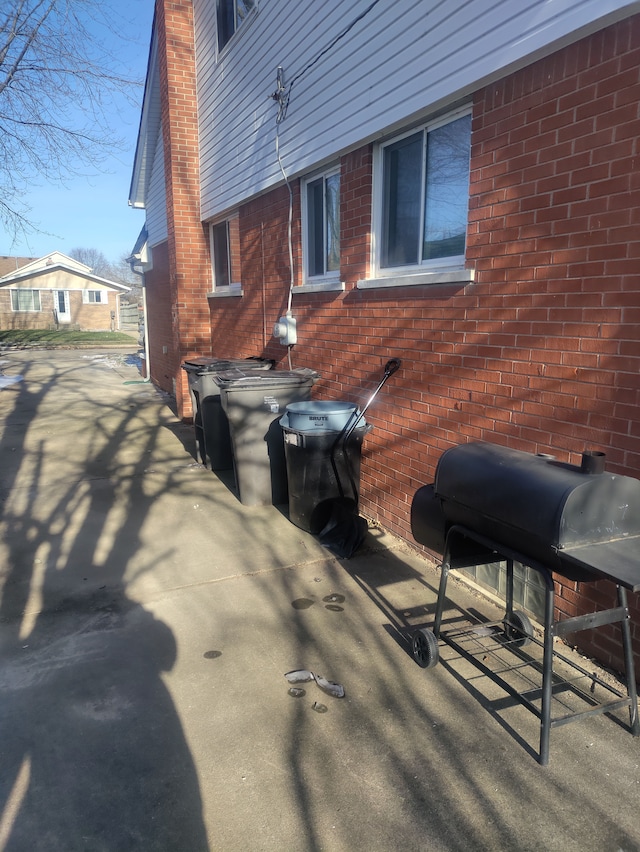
{"x":315,"y":229}
{"x":332,"y":206}
{"x":220,"y":251}
{"x":230,"y":15}
{"x":322,"y":213}
{"x":401,"y":201}
{"x":425,"y":195}
{"x":25,"y":300}
{"x":447,"y":189}
{"x":243,"y":7}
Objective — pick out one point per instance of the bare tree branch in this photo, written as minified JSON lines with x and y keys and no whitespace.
{"x":60,"y":84}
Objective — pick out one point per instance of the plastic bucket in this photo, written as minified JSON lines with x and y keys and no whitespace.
{"x":319,"y":415}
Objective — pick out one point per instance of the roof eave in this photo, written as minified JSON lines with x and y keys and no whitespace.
{"x":148,"y":130}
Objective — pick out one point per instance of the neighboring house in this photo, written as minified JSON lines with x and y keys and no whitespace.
{"x":56,"y":291}
{"x":458,"y":186}
{"x":12,"y":264}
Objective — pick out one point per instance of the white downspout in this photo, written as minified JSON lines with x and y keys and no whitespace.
{"x":146,"y":327}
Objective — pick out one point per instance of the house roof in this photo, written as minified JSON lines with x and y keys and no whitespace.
{"x":149,"y":130}
{"x":11,"y":264}
{"x":34,"y":268}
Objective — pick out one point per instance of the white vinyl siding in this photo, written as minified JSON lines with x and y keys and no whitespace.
{"x":156,"y":205}
{"x":401,"y":62}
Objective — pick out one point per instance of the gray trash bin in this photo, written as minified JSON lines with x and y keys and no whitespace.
{"x":192,"y":368}
{"x":254,"y":402}
{"x":319,"y":470}
{"x":209,"y":420}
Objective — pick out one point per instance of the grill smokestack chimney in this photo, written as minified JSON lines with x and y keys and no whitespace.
{"x":592,"y":462}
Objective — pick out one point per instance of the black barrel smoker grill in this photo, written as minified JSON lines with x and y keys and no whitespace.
{"x":490,"y":503}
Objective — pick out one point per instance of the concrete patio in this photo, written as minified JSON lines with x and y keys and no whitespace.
{"x":147,"y":620}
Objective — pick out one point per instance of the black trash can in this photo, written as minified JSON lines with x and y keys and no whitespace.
{"x":254,"y":402}
{"x":193,"y":368}
{"x":209,"y":420}
{"x":318,"y":474}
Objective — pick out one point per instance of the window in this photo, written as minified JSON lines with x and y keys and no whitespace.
{"x":95,"y":297}
{"x":25,"y":300}
{"x":231,"y":14}
{"x":321,"y":218}
{"x":225,"y":248}
{"x":425,"y":196}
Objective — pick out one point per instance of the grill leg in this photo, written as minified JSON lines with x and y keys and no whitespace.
{"x":442,"y":592}
{"x":629,"y":668}
{"x":509,"y":589}
{"x":547,"y":673}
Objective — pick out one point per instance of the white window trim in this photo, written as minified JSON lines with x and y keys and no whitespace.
{"x":450,"y":270}
{"x":234,"y":288}
{"x":28,"y":310}
{"x":321,"y":287}
{"x":226,"y":292}
{"x":104,"y":297}
{"x":330,"y":280}
{"x":436,"y":276}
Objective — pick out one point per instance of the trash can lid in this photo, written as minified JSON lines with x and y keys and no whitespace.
{"x":215,"y":365}
{"x":192,"y":365}
{"x":240,"y":377}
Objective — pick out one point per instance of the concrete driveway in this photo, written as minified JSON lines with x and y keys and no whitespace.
{"x":147,"y":620}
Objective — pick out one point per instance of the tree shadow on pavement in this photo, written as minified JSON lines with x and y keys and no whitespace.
{"x":93,"y":752}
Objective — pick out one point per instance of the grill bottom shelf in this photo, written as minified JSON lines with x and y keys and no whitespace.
{"x":496,"y":651}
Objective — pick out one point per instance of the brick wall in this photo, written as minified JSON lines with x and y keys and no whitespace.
{"x":188,"y":261}
{"x":93,"y":317}
{"x":554,"y":238}
{"x":87,"y":317}
{"x":242,"y":327}
{"x":541,"y":353}
{"x":42,"y":319}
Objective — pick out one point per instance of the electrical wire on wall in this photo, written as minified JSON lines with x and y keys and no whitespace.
{"x":282,"y":96}
{"x":283,"y":93}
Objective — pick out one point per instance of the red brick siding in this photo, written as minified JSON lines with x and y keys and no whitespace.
{"x":555,"y":242}
{"x":234,"y":251}
{"x":243,"y":327}
{"x":190,"y":273}
{"x":541,"y":353}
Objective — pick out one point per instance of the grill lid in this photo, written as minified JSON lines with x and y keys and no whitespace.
{"x":541,"y":507}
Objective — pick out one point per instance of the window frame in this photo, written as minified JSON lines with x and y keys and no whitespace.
{"x":425,"y":271}
{"x":232,"y":230}
{"x":19,"y":310}
{"x":230,"y":7}
{"x":101,"y":301}
{"x":330,"y":276}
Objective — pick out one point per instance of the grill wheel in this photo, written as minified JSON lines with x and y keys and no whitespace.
{"x":424,"y":646}
{"x":518,"y":629}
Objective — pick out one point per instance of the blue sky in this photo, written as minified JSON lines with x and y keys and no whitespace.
{"x":92,"y":212}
